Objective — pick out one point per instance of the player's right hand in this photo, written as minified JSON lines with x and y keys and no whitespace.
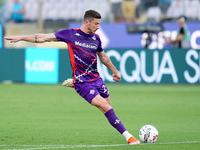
{"x":13,"y":39}
{"x":117,"y":77}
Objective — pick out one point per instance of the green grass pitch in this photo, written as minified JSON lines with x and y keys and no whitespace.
{"x":36,"y":116}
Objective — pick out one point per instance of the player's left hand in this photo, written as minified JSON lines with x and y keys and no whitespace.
{"x":117,"y":77}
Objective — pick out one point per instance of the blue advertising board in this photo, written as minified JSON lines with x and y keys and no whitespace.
{"x":42,"y":65}
{"x":118,"y":36}
{"x":1,"y":36}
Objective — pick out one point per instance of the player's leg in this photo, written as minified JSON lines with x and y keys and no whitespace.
{"x":101,"y":104}
{"x":108,"y":100}
{"x":96,"y":93}
{"x":104,"y":106}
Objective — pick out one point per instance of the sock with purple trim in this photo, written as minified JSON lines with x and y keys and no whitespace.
{"x":114,"y":121}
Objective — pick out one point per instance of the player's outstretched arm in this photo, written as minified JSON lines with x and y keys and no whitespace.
{"x":107,"y":62}
{"x":37,"y":38}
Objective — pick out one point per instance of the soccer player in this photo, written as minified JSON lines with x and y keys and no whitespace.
{"x":84,"y":46}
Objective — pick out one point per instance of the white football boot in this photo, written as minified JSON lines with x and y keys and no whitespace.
{"x":68,"y":83}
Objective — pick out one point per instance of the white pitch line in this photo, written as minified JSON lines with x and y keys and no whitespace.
{"x":40,"y":147}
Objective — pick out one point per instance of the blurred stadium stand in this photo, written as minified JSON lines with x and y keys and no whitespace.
{"x":52,"y":15}
{"x":60,"y":9}
{"x":153,"y":14}
{"x":63,"y":11}
{"x":187,"y":8}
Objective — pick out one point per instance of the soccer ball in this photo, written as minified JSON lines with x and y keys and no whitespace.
{"x":148,"y":134}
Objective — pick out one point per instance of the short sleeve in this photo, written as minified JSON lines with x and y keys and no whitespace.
{"x":99,"y":49}
{"x":63,"y":35}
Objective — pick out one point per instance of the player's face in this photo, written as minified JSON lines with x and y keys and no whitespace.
{"x":93,"y":25}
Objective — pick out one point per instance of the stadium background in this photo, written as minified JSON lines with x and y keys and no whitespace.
{"x":51,"y":116}
{"x":137,"y":61}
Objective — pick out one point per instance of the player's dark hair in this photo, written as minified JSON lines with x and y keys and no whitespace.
{"x":91,"y":14}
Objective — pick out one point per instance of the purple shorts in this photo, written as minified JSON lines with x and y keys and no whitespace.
{"x":89,"y":90}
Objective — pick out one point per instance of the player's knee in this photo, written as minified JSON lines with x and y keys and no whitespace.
{"x":101,"y":103}
{"x":105,"y":107}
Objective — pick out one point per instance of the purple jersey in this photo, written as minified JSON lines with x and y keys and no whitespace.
{"x":82,"y":50}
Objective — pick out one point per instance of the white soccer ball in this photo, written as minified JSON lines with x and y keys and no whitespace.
{"x":148,"y":134}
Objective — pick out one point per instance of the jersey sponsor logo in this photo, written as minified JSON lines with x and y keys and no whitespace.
{"x":92,"y":46}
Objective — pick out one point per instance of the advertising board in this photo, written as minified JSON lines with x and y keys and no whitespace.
{"x":1,"y":36}
{"x":41,"y":65}
{"x":158,"y":66}
{"x":116,"y":35}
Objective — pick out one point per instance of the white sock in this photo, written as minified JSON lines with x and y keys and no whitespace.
{"x":127,"y":135}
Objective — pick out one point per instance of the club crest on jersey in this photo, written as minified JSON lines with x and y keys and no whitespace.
{"x":94,"y":37}
{"x":92,"y":92}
